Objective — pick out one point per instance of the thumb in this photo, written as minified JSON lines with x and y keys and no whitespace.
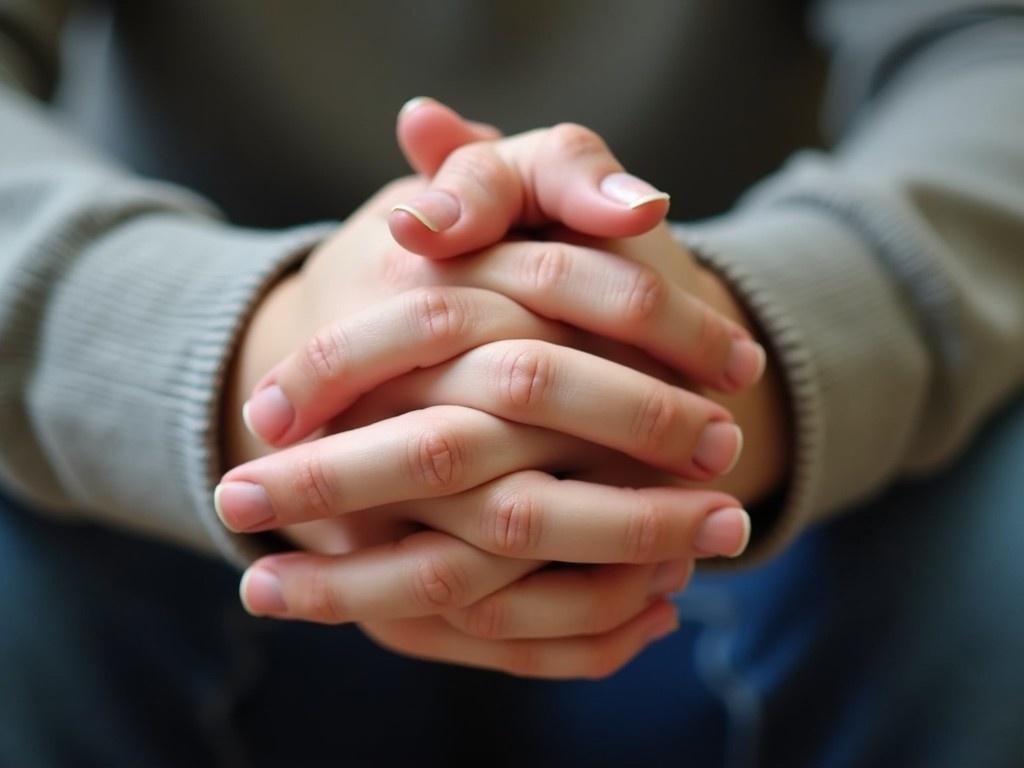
{"x":428,"y":132}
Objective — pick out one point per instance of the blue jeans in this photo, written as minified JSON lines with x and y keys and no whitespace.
{"x":890,"y":637}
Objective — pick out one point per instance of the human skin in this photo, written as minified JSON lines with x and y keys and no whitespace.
{"x":281,"y":323}
{"x":563,"y":175}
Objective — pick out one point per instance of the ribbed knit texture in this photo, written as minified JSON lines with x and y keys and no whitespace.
{"x":120,"y":304}
{"x":124,"y":371}
{"x":807,"y":282}
{"x":881,"y":325}
{"x":887,"y":274}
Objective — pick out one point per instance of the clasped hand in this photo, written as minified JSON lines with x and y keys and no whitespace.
{"x":453,"y":408}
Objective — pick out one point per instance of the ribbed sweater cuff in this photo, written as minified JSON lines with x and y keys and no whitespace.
{"x":845,"y":342}
{"x":142,"y":328}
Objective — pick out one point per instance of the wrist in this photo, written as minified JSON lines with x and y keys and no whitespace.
{"x":274,"y":330}
{"x":762,"y":412}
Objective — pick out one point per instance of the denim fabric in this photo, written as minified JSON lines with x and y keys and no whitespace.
{"x":890,"y":637}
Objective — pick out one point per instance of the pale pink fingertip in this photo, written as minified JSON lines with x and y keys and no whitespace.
{"x":268,"y":414}
{"x":719,"y":447}
{"x":434,"y":209}
{"x":670,"y":577}
{"x":724,"y":532}
{"x":628,"y":190}
{"x":260,"y":591}
{"x":745,"y":363}
{"x":414,"y":103}
{"x":242,"y":506}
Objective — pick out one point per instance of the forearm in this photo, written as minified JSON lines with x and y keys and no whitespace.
{"x":886,"y":275}
{"x":119,"y":302}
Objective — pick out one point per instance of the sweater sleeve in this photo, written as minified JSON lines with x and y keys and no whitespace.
{"x":888,"y":273}
{"x":120,"y":302}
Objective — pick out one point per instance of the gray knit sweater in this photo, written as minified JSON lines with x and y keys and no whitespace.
{"x":141,"y":222}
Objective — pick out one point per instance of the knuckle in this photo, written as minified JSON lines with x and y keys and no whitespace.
{"x":547,"y":269}
{"x":644,"y":296}
{"x":486,"y":619}
{"x":325,"y":353}
{"x":314,"y":484}
{"x":573,"y":140}
{"x":480,"y":166}
{"x":438,"y":584}
{"x":435,"y":459}
{"x":325,"y":604}
{"x":512,"y":525}
{"x":524,"y":376}
{"x":645,"y":528}
{"x":438,"y":314}
{"x":658,"y":418}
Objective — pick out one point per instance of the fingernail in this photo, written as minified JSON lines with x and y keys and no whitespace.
{"x":670,"y":577}
{"x":629,"y":190}
{"x":664,"y":625}
{"x":268,"y":414}
{"x":723,"y":532}
{"x":434,"y":209}
{"x":718,"y":447}
{"x":261,"y":595}
{"x":242,"y":506}
{"x":413,"y":103}
{"x":745,"y":363}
